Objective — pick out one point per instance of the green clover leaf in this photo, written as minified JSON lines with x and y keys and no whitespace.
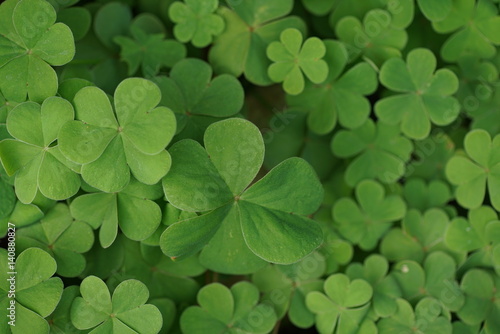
{"x":428,"y":317}
{"x":242,"y":227}
{"x":474,"y":24}
{"x":380,"y":152}
{"x":36,"y":291}
{"x":423,"y":195}
{"x":486,"y":116}
{"x":436,"y":279}
{"x":195,"y":21}
{"x":150,"y":52}
{"x":343,"y":307}
{"x":195,"y":97}
{"x":435,"y":11}
{"x":292,"y":59}
{"x":31,"y":42}
{"x":228,"y":311}
{"x":478,"y":169}
{"x":292,"y":283}
{"x":425,"y":94}
{"x":478,"y":234}
{"x":365,"y":223}
{"x":164,"y":277}
{"x":419,"y":235}
{"x":340,"y":96}
{"x":111,"y":20}
{"x":113,"y":144}
{"x":78,"y":19}
{"x":61,"y":237}
{"x":125,"y":311}
{"x":431,"y":154}
{"x":105,"y":262}
{"x":385,"y":288}
{"x":360,"y":40}
{"x":250,"y":27}
{"x":482,"y":302}
{"x":34,"y":155}
{"x":135,"y":203}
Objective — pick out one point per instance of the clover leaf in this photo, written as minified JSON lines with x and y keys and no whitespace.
{"x":340,"y":95}
{"x":422,"y":195}
{"x":431,"y":156}
{"x":195,"y":21}
{"x":150,"y":52}
{"x":34,"y":155}
{"x":111,"y":145}
{"x":365,"y":223}
{"x":343,"y":307}
{"x":286,"y":286}
{"x":227,"y":311}
{"x":78,"y":19}
{"x":164,"y":277}
{"x":419,"y":235}
{"x":293,"y":59}
{"x":61,"y":237}
{"x":478,"y":169}
{"x":192,"y":93}
{"x":250,"y":27}
{"x":380,"y":152}
{"x":240,"y":227}
{"x":36,"y":291}
{"x":485,"y":116}
{"x":478,"y":234}
{"x":482,"y":301}
{"x":31,"y":42}
{"x":385,"y":288}
{"x":474,"y":24}
{"x":428,"y":317}
{"x":436,"y":279}
{"x":377,"y":47}
{"x":135,"y":203}
{"x":126,"y":310}
{"x":426,"y":94}
{"x":435,"y":10}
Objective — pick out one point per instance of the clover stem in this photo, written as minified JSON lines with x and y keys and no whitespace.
{"x":277,"y":327}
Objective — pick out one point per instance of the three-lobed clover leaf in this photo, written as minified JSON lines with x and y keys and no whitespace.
{"x":344,"y":306}
{"x":293,"y":59}
{"x":60,"y":319}
{"x":428,"y":317}
{"x":419,"y":235}
{"x":195,"y":21}
{"x":36,"y":292}
{"x":34,"y":156}
{"x":437,"y":279}
{"x":125,"y":311}
{"x":31,"y":42}
{"x":482,"y":299}
{"x":423,"y":195}
{"x":378,"y":45}
{"x":425,"y":94}
{"x":195,"y":97}
{"x":250,"y":26}
{"x":240,"y":228}
{"x":365,"y":223}
{"x":340,"y":96}
{"x":379,"y":149}
{"x":480,"y":167}
{"x":61,"y":237}
{"x":286,"y":286}
{"x":228,"y":311}
{"x":133,"y":209}
{"x":475,"y":25}
{"x":375,"y":270}
{"x":150,"y":52}
{"x":478,"y":234}
{"x":112,"y":145}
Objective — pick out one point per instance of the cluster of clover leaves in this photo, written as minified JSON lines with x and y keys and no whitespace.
{"x":250,"y":166}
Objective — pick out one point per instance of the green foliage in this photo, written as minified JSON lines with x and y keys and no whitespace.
{"x":250,"y":166}
{"x":125,"y":310}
